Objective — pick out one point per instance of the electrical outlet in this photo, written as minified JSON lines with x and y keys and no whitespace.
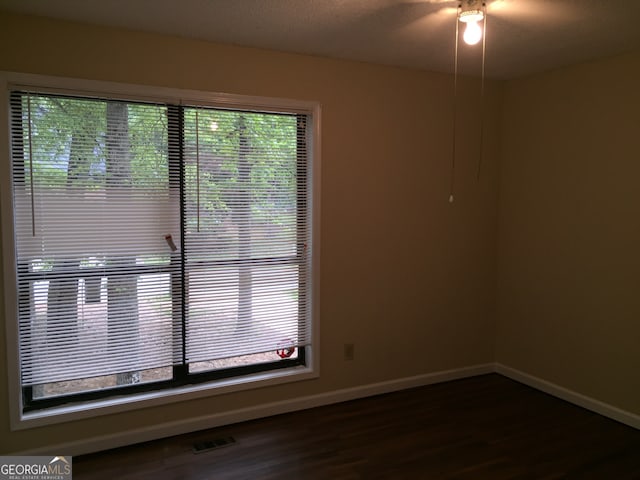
{"x":349,"y":351}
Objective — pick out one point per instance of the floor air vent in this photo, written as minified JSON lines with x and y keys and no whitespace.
{"x":208,"y":445}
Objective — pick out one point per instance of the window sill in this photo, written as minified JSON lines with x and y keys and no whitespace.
{"x":91,"y":409}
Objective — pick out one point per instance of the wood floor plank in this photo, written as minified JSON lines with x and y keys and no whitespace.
{"x":486,"y":427}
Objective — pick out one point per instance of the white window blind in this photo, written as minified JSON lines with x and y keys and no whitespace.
{"x":246,"y":237}
{"x":106,"y":191}
{"x":93,"y":201}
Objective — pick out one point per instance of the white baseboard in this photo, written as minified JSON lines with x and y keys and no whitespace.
{"x":302,"y":403}
{"x":583,"y":401}
{"x":240,"y":415}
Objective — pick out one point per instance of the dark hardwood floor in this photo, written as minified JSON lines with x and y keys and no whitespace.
{"x":486,"y":427}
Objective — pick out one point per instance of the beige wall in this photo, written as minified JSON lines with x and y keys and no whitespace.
{"x":405,"y":275}
{"x":569,"y":235}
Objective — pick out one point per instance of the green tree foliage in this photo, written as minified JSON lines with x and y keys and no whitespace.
{"x":237,"y":160}
{"x":69,"y":135}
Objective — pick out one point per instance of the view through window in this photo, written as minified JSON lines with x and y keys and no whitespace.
{"x":157,"y":245}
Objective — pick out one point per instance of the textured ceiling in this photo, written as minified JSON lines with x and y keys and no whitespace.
{"x":523,"y":36}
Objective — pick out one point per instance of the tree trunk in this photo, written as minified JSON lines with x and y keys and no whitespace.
{"x":242,"y":213}
{"x":122,"y":290}
{"x":62,"y":294}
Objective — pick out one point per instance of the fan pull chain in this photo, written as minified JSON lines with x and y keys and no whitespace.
{"x":455,"y":114}
{"x":484,"y":43}
{"x":455,"y":99}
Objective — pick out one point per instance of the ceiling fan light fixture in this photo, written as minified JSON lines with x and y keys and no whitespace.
{"x":472,"y":34}
{"x":471,"y":13}
{"x":471,"y":16}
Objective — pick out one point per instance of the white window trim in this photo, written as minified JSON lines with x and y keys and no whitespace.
{"x":80,"y":410}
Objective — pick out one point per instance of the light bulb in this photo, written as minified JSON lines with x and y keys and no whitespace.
{"x":472,"y":33}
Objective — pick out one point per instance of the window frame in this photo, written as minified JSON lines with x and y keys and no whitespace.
{"x":141,"y":396}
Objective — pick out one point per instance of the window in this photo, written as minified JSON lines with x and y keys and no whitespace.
{"x":157,"y":244}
